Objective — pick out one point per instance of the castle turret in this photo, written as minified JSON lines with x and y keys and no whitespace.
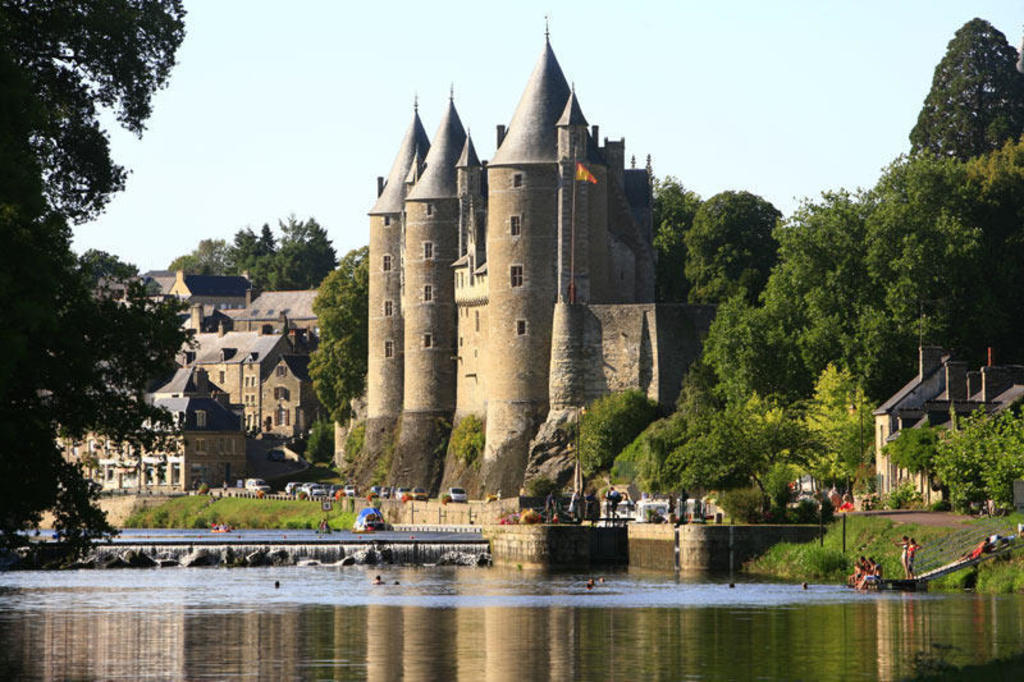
{"x":386,"y":330}
{"x":522,"y":250}
{"x":431,"y":246}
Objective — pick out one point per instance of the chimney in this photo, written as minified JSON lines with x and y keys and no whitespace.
{"x":593,"y":134}
{"x":196,"y":317}
{"x":220,"y":328}
{"x":994,"y":380}
{"x":380,"y":185}
{"x":501,"y":135}
{"x":973,"y":384}
{"x":202,"y":382}
{"x":929,"y":359}
{"x":990,"y":356}
{"x":248,"y":298}
{"x":956,"y":380}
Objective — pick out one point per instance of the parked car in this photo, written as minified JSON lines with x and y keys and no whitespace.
{"x":256,"y":485}
{"x":377,"y":491}
{"x":458,"y":495}
{"x":419,"y":494}
{"x":400,"y":492}
{"x":314,"y":490}
{"x":292,"y":487}
{"x":350,"y":490}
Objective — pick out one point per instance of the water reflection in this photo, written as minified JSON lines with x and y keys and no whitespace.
{"x":250,"y":634}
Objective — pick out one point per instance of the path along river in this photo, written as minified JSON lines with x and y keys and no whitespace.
{"x":326,"y":622}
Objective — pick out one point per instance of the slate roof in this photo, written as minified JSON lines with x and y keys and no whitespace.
{"x":532,"y":136}
{"x":217,"y":285}
{"x":414,"y":145}
{"x":299,"y":366}
{"x":572,"y":115}
{"x":438,"y":178}
{"x":183,"y":381}
{"x":233,"y":347}
{"x":468,"y":157}
{"x":297,"y":305}
{"x":163,"y":279}
{"x":218,"y":417}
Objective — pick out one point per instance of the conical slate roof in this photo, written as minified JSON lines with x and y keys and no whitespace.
{"x":468,"y":158}
{"x":438,"y":178}
{"x":572,"y":115}
{"x":415,"y":143}
{"x":532,"y":137}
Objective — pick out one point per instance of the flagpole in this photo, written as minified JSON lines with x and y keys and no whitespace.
{"x":572,"y":229}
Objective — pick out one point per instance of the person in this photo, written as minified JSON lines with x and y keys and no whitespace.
{"x":574,"y":503}
{"x":323,"y":526}
{"x":549,"y":505}
{"x":911,"y":552}
{"x":378,"y":581}
{"x":858,"y":572}
{"x":590,"y":584}
{"x":613,"y":496}
{"x":873,"y":577}
{"x":590,"y":507}
{"x":904,"y":542}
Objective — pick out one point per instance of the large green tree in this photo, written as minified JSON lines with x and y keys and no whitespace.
{"x":977,"y":98}
{"x":211,"y":257}
{"x":674,"y":210}
{"x":254,"y":254}
{"x":304,"y":256}
{"x":730,"y":247}
{"x":72,"y":362}
{"x":338,"y":366}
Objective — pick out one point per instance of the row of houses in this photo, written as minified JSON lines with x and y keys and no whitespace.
{"x":243,"y":376}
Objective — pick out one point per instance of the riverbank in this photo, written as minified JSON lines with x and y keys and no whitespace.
{"x":876,"y":538}
{"x":199,"y":511}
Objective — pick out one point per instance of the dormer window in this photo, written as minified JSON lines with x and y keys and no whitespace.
{"x":201,"y":418}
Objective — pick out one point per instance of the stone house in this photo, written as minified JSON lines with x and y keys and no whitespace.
{"x":278,"y":311}
{"x":290,"y":404}
{"x":209,"y":448}
{"x":214,"y":292}
{"x":943,"y":387}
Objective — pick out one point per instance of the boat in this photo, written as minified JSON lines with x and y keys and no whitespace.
{"x":369,"y":520}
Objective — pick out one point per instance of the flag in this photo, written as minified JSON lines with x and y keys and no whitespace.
{"x":583,"y":174}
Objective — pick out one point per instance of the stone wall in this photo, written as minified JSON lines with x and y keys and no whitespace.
{"x":707,"y":547}
{"x":544,"y":546}
{"x":118,"y":508}
{"x":433,"y":513}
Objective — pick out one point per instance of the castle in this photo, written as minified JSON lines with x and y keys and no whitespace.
{"x":516,"y":290}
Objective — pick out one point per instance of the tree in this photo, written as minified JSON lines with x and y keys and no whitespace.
{"x":674,"y":209}
{"x":610,"y":424}
{"x":72,"y":362}
{"x":977,"y":98}
{"x":338,"y":366}
{"x":836,"y":416}
{"x":320,"y":446}
{"x":98,"y":265}
{"x":304,"y":257}
{"x":254,"y":254}
{"x":730,"y":247}
{"x":211,"y":257}
{"x":914,"y":448}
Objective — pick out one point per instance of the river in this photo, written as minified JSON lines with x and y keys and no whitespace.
{"x":477,"y":623}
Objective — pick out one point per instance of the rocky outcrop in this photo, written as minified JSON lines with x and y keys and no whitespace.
{"x":553,"y":450}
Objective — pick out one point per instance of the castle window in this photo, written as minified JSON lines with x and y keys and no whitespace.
{"x":386,"y":263}
{"x":428,"y":340}
{"x":430,"y":209}
{"x":428,"y":250}
{"x":428,"y":293}
{"x":515,"y":225}
{"x":389,"y":308}
{"x":517,"y":180}
{"x":460,"y":342}
{"x":516,"y":275}
{"x":520,"y":327}
{"x":477,"y":314}
{"x":387,"y":220}
{"x":389,"y":349}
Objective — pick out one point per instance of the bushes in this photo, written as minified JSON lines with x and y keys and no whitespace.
{"x":541,"y":487}
{"x":904,"y":496}
{"x":743,"y":504}
{"x":467,"y":441}
{"x":610,"y":424}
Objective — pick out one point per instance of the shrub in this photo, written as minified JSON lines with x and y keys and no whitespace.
{"x":806,"y":511}
{"x":940,"y":506}
{"x":904,"y":496}
{"x":777,"y":485}
{"x":743,"y":504}
{"x":610,"y":424}
{"x":467,"y":441}
{"x":541,"y":486}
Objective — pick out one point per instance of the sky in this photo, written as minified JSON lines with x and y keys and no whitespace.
{"x":277,"y":109}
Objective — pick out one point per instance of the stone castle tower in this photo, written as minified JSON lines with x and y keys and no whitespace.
{"x":515,"y":290}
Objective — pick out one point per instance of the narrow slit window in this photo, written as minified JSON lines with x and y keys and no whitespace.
{"x":520,"y":327}
{"x":428,"y":250}
{"x":428,"y":340}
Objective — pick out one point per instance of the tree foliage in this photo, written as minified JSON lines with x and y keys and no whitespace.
{"x":837,"y":416}
{"x":97,"y":265}
{"x":211,"y":257}
{"x":981,"y":457}
{"x":610,"y":424}
{"x":73,"y":362}
{"x":976,"y":102}
{"x":914,"y":449}
{"x":338,"y":366}
{"x":673,"y":212}
{"x":730,"y":247}
{"x":320,"y":446}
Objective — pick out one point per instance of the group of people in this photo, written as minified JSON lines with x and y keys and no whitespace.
{"x":867,"y":573}
{"x":986,"y":546}
{"x":910,"y":548}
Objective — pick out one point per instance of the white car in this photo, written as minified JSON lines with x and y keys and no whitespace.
{"x":256,"y":485}
{"x":292,"y":487}
{"x":350,"y":490}
{"x":458,"y":495}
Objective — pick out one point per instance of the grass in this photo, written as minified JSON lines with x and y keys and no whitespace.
{"x":200,"y":511}
{"x":318,"y":473}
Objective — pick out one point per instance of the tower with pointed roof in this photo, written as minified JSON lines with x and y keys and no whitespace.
{"x":516,"y":292}
{"x":385,"y":392}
